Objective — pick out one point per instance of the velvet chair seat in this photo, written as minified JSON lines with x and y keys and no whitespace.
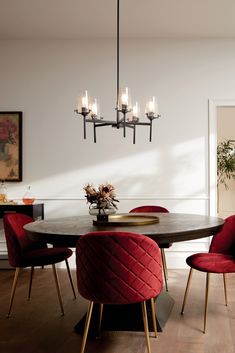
{"x":47,"y":256}
{"x":212,"y":262}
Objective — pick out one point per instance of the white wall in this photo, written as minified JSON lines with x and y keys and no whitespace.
{"x":43,"y":79}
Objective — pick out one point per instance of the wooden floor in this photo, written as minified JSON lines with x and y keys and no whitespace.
{"x":37,"y":327}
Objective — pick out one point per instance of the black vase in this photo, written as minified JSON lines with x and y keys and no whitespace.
{"x":102,"y":217}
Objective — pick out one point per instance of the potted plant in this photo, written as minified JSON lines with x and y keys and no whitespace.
{"x":225,"y":164}
{"x":225,"y":161}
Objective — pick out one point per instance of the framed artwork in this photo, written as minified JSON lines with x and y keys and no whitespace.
{"x":11,"y":146}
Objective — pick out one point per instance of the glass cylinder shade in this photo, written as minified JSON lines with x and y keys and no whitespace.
{"x":152,"y":107}
{"x":95,"y":108}
{"x":84,"y":103}
{"x":136,"y":112}
{"x":124,"y":99}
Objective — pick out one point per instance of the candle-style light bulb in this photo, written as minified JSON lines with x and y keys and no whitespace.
{"x":85,"y":100}
{"x":94,"y":108}
{"x":84,"y":103}
{"x":135,"y":112}
{"x":152,"y":107}
{"x":124,"y":99}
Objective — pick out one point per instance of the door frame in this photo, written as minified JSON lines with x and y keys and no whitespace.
{"x":213,"y":105}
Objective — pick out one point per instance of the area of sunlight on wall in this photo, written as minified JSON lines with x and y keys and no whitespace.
{"x":188,"y":156}
{"x":121,"y":172}
{"x":138,"y":178}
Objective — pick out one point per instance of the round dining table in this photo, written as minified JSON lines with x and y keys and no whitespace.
{"x":170,"y":228}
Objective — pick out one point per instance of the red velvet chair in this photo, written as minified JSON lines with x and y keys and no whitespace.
{"x":158,"y":209}
{"x":118,"y":268}
{"x":219,"y":259}
{"x":23,"y":252}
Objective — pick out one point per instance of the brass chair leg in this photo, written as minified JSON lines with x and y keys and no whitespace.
{"x":225,"y":289}
{"x":58,"y":289}
{"x":70,"y":278}
{"x":86,"y":328}
{"x":146,"y":328}
{"x":30,"y":282}
{"x":186,"y":290}
{"x":164,"y":267}
{"x":100,"y":319}
{"x":154,"y":317}
{"x":17,"y":271}
{"x":206,"y":300}
{"x":164,"y":260}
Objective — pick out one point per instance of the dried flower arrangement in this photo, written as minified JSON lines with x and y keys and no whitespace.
{"x":103,"y":198}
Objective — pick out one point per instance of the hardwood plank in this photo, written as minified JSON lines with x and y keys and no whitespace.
{"x":38,"y":327}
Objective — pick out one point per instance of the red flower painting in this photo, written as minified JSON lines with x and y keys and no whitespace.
{"x":10,"y":146}
{"x":8,"y":131}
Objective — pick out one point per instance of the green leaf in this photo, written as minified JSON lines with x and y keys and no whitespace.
{"x":225,"y":161}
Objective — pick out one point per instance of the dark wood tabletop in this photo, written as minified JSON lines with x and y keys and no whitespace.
{"x":172,"y":227}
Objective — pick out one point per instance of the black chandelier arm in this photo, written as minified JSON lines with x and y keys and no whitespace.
{"x":138,"y":123}
{"x":118,"y":47}
{"x":150,"y":132}
{"x":102,"y":122}
{"x":124,"y":124}
{"x":84,"y":127}
{"x":97,"y":122}
{"x":130,"y":125}
{"x":94,"y":132}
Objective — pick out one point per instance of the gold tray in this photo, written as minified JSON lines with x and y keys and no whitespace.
{"x":8,"y":203}
{"x":127,"y":220}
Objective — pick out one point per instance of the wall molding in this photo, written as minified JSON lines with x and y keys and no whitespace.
{"x":120,"y":197}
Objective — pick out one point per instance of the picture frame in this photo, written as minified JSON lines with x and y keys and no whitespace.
{"x":11,"y":146}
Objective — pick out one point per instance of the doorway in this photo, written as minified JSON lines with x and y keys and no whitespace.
{"x":221,"y":127}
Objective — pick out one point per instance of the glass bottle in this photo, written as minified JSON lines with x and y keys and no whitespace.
{"x":28,"y":198}
{"x":3,"y":192}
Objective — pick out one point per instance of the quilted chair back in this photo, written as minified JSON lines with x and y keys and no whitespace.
{"x":17,"y":241}
{"x":146,"y":209}
{"x":118,"y":267}
{"x":223,"y":242}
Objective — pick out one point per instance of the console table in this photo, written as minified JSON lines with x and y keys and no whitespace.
{"x":36,"y":211}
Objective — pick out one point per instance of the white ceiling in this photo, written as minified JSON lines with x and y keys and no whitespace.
{"x":72,"y":19}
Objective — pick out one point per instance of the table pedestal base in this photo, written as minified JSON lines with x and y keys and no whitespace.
{"x":128,"y":317}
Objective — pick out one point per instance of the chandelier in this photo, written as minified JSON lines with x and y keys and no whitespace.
{"x":127,"y":116}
